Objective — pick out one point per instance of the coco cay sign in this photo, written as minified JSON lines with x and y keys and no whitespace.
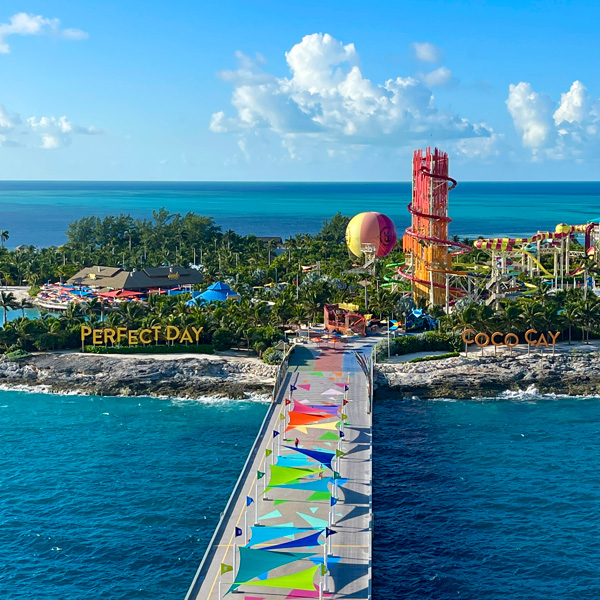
{"x":469,"y":336}
{"x":133,"y":337}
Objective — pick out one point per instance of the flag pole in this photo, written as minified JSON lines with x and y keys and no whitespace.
{"x":246,"y":523}
{"x":234,"y":557}
{"x":256,"y":502}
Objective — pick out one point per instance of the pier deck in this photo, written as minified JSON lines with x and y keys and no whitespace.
{"x":323,"y":377}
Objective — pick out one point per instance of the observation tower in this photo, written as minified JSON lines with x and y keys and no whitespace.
{"x":425,"y":243}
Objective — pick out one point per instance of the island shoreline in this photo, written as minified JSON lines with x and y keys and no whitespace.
{"x":199,"y":377}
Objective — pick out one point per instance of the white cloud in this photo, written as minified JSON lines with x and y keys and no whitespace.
{"x":48,"y":133}
{"x":440,"y":77}
{"x":56,"y":133}
{"x":327,"y":101}
{"x":565,"y":132}
{"x":8,"y":121}
{"x":531,"y":113}
{"x":575,"y":105}
{"x":427,"y":52}
{"x":28,"y":24}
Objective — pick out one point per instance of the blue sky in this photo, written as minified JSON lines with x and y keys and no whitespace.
{"x":307,"y":91}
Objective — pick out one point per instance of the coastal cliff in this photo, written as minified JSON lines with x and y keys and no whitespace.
{"x":182,"y":376}
{"x":460,"y":377}
{"x":197,"y":376}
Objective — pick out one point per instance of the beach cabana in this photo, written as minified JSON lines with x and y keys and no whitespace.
{"x":217,"y":292}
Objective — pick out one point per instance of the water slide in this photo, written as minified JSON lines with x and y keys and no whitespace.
{"x":519,"y":244}
{"x":389,"y":279}
{"x":463,"y":248}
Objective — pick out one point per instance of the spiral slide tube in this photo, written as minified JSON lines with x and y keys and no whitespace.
{"x":422,"y":237}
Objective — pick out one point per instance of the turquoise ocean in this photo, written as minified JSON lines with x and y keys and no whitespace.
{"x":495,"y":499}
{"x":117,"y":497}
{"x":38,"y":212}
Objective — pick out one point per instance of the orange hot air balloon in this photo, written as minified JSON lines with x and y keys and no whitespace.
{"x":371,"y":228}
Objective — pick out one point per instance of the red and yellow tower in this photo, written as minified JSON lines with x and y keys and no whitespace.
{"x":426,"y":241}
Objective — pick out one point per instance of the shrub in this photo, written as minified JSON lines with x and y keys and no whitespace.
{"x":176,"y":349}
{"x":17,"y":354}
{"x":434,"y":357}
{"x":259,"y":348}
{"x":272,"y":356}
{"x":223,"y":339}
{"x":421,"y":342}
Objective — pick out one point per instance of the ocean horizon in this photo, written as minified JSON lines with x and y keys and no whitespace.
{"x":38,"y":212}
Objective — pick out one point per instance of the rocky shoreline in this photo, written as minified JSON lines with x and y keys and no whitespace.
{"x":233,"y":377}
{"x":483,"y":377}
{"x":181,"y":376}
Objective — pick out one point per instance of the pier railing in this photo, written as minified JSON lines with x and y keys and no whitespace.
{"x":282,"y":370}
{"x":366,"y":365}
{"x":192,"y":593}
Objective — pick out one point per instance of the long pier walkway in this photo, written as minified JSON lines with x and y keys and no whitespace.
{"x":304,"y":528}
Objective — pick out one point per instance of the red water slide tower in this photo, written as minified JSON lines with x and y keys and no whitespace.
{"x":425,"y":242}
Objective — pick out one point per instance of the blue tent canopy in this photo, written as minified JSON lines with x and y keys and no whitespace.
{"x":217,"y":292}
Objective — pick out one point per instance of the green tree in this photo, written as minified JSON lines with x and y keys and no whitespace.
{"x":7,"y":302}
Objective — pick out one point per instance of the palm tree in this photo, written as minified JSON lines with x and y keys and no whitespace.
{"x":533,"y":315}
{"x":24,"y":303}
{"x":589,"y":311}
{"x":131,"y":313}
{"x":4,"y":236}
{"x":72,"y":315}
{"x":24,"y":328}
{"x":7,"y":302}
{"x":570,"y":317}
{"x":511,"y":316}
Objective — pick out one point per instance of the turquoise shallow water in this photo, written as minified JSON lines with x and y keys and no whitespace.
{"x":494,"y":500}
{"x":38,"y":212}
{"x":113,"y":497}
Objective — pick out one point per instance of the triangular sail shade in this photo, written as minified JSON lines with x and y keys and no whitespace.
{"x":254,"y":562}
{"x":262,"y":535}
{"x":299,"y":419}
{"x":305,"y":542}
{"x":303,"y":580}
{"x":283,"y":475}
{"x":324,"y":458}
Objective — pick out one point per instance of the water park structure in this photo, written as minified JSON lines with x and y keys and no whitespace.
{"x":428,"y":262}
{"x":437,"y":268}
{"x":344,"y":319}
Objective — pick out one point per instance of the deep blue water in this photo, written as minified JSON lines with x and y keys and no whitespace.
{"x":113,"y":498}
{"x":494,"y":500}
{"x":117,"y":497}
{"x":38,"y":212}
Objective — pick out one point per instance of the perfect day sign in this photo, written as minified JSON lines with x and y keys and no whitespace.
{"x":134,"y":337}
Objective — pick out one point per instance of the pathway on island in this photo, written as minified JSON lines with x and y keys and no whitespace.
{"x":312,"y":504}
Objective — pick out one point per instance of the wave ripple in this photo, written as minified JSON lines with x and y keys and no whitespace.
{"x":113,"y":497}
{"x":487,"y":500}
